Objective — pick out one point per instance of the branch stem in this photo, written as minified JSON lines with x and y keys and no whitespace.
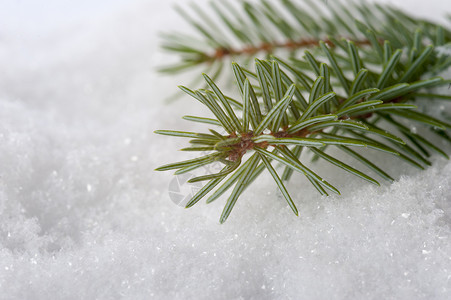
{"x":270,"y":47}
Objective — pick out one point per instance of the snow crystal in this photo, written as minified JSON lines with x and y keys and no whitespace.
{"x":84,"y":216}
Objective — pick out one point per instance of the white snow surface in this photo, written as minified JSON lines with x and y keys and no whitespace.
{"x":84,"y":216}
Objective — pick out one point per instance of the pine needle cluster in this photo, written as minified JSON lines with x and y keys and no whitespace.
{"x":341,"y":74}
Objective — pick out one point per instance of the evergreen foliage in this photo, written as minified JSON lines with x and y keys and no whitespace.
{"x":348,"y":78}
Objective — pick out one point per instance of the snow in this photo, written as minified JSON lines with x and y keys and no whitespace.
{"x":84,"y":216}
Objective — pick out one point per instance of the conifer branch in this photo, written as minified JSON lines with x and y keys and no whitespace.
{"x":342,"y":93}
{"x":242,"y":30}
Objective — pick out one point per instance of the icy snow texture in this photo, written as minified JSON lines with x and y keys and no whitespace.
{"x":83,"y":215}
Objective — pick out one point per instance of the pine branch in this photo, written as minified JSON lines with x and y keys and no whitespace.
{"x":343,"y":93}
{"x":242,"y":30}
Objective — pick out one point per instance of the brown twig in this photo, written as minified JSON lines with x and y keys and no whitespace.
{"x":246,"y":143}
{"x":270,"y":47}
